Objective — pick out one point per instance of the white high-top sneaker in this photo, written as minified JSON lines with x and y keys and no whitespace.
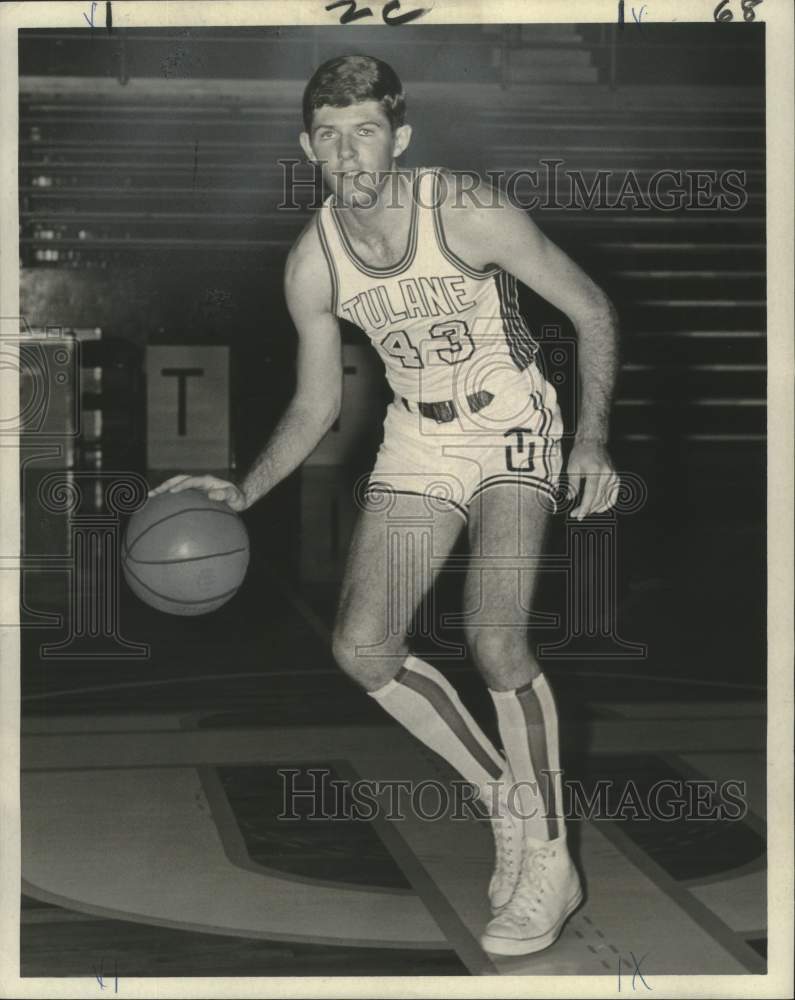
{"x":547,"y":892}
{"x":507,"y":859}
{"x":508,"y":833}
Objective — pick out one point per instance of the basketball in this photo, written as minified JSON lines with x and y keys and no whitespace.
{"x":184,"y":553}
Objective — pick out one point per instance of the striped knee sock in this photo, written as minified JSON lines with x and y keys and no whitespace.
{"x":528,"y":725}
{"x":426,"y":704}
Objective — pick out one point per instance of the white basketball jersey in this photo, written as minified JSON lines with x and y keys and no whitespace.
{"x":442,"y":328}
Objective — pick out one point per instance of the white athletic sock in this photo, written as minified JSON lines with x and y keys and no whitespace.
{"x":426,"y":704}
{"x":528,"y":723}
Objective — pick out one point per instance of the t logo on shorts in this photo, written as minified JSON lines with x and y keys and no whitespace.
{"x":519,"y":456}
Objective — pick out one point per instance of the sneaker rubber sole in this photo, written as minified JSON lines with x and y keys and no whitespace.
{"x":527,"y":946}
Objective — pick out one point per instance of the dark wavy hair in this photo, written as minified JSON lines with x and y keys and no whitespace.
{"x":348,"y":80}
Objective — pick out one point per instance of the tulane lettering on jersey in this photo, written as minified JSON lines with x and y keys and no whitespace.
{"x":437,"y":323}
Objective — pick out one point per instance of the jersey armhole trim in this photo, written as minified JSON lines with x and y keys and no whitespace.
{"x":451,"y":256}
{"x":332,"y":267}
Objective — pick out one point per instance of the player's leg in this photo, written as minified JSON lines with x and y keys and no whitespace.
{"x":508,"y":522}
{"x":393,"y":560}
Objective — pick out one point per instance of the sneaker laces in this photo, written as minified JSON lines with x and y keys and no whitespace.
{"x":530,"y":888}
{"x":505,"y":847}
{"x":507,"y":839}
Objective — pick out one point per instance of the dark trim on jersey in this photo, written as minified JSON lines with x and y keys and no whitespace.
{"x":411,"y":247}
{"x":547,"y":419}
{"x":520,"y":478}
{"x":335,"y":281}
{"x":521,"y":345}
{"x":459,"y":509}
{"x":441,"y":239}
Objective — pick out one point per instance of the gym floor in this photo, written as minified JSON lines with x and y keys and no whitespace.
{"x":151,"y":790}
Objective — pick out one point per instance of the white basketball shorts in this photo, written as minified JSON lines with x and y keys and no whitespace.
{"x":514,"y":438}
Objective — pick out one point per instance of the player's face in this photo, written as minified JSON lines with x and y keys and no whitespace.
{"x":357,"y":147}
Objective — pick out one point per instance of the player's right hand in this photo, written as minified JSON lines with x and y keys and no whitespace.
{"x":215,"y":488}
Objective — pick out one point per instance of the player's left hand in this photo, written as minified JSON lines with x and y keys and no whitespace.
{"x":591,"y":471}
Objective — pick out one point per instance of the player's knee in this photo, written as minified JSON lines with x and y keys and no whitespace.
{"x":365,"y":659}
{"x":343,"y":648}
{"x":495,"y":649}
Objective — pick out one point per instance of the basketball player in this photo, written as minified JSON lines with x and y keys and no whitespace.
{"x":473,"y":434}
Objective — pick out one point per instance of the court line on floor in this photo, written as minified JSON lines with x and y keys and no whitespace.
{"x":751,"y":818}
{"x":54,"y":915}
{"x":755,"y":867}
{"x":129,"y":685}
{"x":607,"y":737}
{"x":299,"y":672}
{"x":250,"y":934}
{"x":700,"y":914}
{"x":684,"y":681}
{"x":454,"y":932}
{"x":235,"y":846}
{"x":463,"y":942}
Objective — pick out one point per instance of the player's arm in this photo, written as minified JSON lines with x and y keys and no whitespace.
{"x":316,"y":402}
{"x":496,"y":232}
{"x":318,"y":395}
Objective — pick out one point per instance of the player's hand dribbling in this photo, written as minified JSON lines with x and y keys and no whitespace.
{"x":590,"y":469}
{"x":215,"y":488}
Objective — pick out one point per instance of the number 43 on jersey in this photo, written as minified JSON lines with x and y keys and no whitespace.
{"x":451,"y":343}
